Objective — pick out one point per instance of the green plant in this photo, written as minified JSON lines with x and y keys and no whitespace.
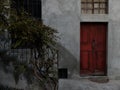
{"x":4,"y":10}
{"x":28,"y":32}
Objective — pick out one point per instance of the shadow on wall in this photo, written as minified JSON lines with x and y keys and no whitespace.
{"x":68,"y":61}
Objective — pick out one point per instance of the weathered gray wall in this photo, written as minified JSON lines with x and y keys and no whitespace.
{"x":114,"y":38}
{"x":65,"y":16}
{"x":7,"y":78}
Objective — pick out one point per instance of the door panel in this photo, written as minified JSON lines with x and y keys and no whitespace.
{"x":93,"y":48}
{"x":85,"y":62}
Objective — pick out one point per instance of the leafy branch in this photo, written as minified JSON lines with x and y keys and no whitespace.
{"x":27,"y":32}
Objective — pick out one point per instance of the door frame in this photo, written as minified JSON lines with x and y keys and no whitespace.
{"x":106,"y":66}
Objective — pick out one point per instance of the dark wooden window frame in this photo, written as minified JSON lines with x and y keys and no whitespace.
{"x":33,"y":7}
{"x":85,"y":9}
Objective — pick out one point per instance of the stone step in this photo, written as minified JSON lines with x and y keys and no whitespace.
{"x":86,"y":84}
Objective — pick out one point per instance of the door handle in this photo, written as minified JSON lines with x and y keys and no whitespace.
{"x":93,"y":45}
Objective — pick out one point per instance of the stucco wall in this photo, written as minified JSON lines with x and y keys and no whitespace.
{"x":65,"y":16}
{"x":114,"y":39}
{"x":7,"y":77}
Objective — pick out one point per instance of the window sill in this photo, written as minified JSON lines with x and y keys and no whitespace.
{"x":94,"y":17}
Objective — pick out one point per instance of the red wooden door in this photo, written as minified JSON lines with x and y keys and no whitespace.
{"x":93,"y":48}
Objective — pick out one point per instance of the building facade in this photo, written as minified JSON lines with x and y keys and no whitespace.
{"x":89,"y":32}
{"x":89,"y":43}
